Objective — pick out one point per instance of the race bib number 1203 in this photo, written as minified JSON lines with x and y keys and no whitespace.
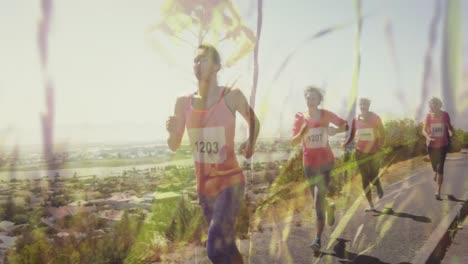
{"x":207,"y":144}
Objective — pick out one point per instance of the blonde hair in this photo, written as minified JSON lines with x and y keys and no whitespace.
{"x":313,"y":89}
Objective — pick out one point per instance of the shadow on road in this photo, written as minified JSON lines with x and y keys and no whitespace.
{"x":339,"y":251}
{"x":454,"y":199}
{"x":389,"y":211}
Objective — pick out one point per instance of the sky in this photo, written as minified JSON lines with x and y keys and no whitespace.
{"x":113,"y":84}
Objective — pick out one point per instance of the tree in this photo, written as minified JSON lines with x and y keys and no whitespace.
{"x":32,"y":247}
{"x":9,"y":212}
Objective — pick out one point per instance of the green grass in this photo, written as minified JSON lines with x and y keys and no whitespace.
{"x":166,"y":195}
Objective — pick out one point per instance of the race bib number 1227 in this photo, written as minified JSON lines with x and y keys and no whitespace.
{"x":316,"y":138}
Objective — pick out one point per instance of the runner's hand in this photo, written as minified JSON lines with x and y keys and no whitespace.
{"x":171,"y":124}
{"x":246,"y":149}
{"x":304,"y":129}
{"x":332,"y":131}
{"x":429,"y":139}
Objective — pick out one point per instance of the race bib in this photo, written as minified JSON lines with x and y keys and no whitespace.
{"x":316,"y":138}
{"x":437,"y":129}
{"x":365,"y":134}
{"x":207,"y":143}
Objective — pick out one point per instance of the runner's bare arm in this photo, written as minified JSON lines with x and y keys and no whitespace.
{"x":352,"y":134}
{"x":450,"y":127}
{"x":300,"y":129}
{"x":175,"y":124}
{"x":424,"y":130}
{"x":342,"y":125}
{"x":424,"y":133}
{"x":296,"y":139}
{"x":381,"y":132}
{"x":342,"y":128}
{"x":241,"y":105}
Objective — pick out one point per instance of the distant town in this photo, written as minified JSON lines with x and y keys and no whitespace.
{"x":86,"y":206}
{"x":113,"y":155}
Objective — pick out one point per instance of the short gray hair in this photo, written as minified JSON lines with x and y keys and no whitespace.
{"x":365,"y":100}
{"x":436,"y":100}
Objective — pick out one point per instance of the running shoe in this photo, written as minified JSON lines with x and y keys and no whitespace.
{"x":316,"y":245}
